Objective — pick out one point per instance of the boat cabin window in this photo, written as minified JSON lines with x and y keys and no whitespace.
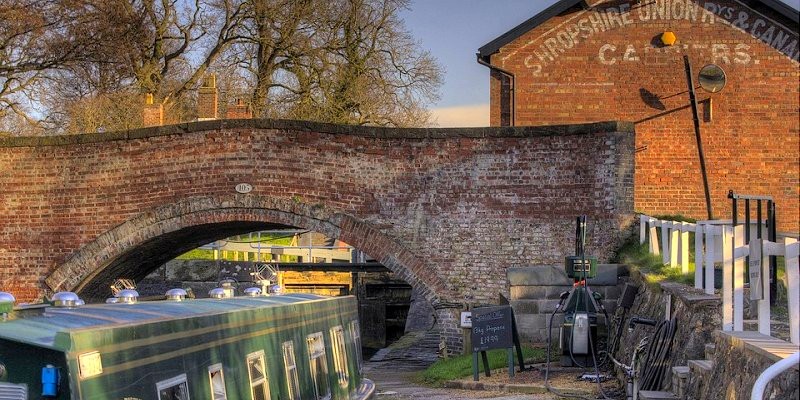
{"x":355,"y":336}
{"x":259,"y":385}
{"x":339,"y":354}
{"x":217,"y":379}
{"x":319,"y":365}
{"x":173,"y":389}
{"x":292,"y":379}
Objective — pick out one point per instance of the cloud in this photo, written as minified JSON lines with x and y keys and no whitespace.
{"x":461,"y":116}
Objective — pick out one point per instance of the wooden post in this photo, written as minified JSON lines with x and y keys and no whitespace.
{"x":674,"y":243}
{"x":684,"y":255}
{"x":475,"y":370}
{"x":792,"y":258}
{"x":698,"y":256}
{"x":510,"y":362}
{"x":758,"y":258}
{"x":643,"y":228}
{"x":486,"y":369}
{"x":711,"y":247}
{"x":665,"y":225}
{"x":653,"y":233}
{"x":738,"y":279}
{"x":727,"y":278}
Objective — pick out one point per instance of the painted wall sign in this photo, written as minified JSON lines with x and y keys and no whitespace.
{"x":244,"y":188}
{"x":586,"y":24}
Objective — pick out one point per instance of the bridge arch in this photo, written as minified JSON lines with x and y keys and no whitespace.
{"x":151,"y":238}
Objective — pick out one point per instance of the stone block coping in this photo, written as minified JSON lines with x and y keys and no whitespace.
{"x":308,"y":126}
{"x":766,"y":346}
{"x":554,"y":275}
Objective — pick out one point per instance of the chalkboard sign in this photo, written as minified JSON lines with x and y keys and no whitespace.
{"x":492,"y":328}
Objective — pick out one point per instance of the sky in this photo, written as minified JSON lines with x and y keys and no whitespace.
{"x":453,"y":30}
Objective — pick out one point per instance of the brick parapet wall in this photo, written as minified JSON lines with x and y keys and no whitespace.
{"x":447,"y":209}
{"x":618,"y":70}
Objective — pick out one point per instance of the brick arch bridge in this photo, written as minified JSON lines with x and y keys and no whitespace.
{"x":138,"y":246}
{"x":449,"y":210}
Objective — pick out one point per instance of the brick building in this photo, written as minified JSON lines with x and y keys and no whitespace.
{"x":585,"y":61}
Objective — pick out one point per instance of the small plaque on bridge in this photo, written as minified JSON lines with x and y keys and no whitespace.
{"x":244,"y":188}
{"x":492,"y":328}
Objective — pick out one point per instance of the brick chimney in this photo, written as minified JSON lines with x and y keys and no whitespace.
{"x":239,"y":110}
{"x":152,"y":114}
{"x":207,"y":99}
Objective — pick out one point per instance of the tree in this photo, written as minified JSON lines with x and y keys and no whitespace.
{"x":37,"y":37}
{"x":378,"y":74}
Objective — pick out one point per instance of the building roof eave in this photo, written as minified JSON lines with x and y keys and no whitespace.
{"x":495,"y":45}
{"x":783,"y":9}
{"x":559,"y":7}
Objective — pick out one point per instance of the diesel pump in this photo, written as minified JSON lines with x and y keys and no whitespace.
{"x":583,"y":306}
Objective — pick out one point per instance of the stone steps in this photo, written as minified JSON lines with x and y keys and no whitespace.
{"x":680,"y":380}
{"x":686,"y":377}
{"x":710,"y":348}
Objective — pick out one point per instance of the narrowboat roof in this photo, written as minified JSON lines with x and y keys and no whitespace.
{"x":53,"y":327}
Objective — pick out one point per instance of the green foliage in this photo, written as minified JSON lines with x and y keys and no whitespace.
{"x":207,"y":254}
{"x":461,"y":366}
{"x":637,"y":255}
{"x":197,"y":254}
{"x":677,"y":218}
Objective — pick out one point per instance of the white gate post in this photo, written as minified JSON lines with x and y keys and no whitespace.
{"x":738,"y":280}
{"x":665,"y":239}
{"x":684,"y":256}
{"x":763,"y":304}
{"x":711,"y":249}
{"x":727,"y":278}
{"x":653,"y":233}
{"x":698,"y":256}
{"x":792,"y":261}
{"x":642,"y":227}
{"x":674,"y":243}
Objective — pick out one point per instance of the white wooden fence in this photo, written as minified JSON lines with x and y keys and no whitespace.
{"x":720,"y":242}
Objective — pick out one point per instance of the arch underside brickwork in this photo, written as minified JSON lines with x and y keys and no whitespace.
{"x":137,"y":247}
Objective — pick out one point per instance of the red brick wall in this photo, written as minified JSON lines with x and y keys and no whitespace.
{"x":449,"y":209}
{"x":606,"y":63}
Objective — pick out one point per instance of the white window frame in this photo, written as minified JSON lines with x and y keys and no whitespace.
{"x":174,"y":381}
{"x":292,"y":374}
{"x":217,"y":368}
{"x":314,"y":355}
{"x":339,"y":348}
{"x":258,"y":355}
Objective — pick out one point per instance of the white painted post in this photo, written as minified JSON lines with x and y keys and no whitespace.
{"x":711,"y":248}
{"x":738,"y":280}
{"x":653,"y":233}
{"x":665,"y":239}
{"x":674,"y":243}
{"x":727,"y":278}
{"x":792,"y":261}
{"x":763,"y":303}
{"x":684,"y":255}
{"x":698,"y":256}
{"x":642,"y":227}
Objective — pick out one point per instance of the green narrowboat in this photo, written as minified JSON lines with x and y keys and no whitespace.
{"x":297,"y":346}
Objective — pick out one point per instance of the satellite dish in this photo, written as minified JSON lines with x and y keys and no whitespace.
{"x":712,"y":78}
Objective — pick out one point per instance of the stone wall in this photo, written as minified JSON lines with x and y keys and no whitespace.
{"x":697,"y":317}
{"x":739,"y":359}
{"x":607,"y":61}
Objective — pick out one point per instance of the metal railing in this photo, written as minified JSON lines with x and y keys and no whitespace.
{"x":770,"y":373}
